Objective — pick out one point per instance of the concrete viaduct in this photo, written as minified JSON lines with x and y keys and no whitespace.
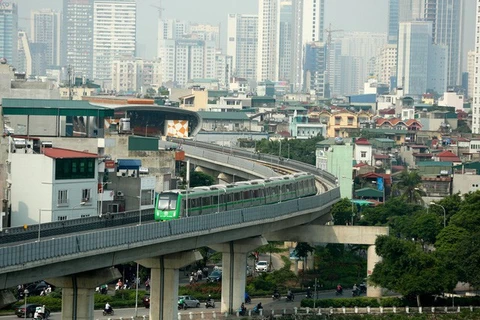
{"x":80,"y":262}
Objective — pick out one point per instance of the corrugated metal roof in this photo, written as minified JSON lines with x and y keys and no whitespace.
{"x":47,"y":107}
{"x":129,"y":164}
{"x":434,"y":164}
{"x":59,"y":153}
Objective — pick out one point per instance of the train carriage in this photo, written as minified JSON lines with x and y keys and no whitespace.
{"x":175,"y":204}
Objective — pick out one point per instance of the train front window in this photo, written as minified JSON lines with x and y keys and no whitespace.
{"x":167,"y":202}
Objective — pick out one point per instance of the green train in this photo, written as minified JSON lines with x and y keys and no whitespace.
{"x":172,"y":204}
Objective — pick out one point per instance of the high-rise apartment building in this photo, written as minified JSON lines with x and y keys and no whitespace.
{"x":308,"y":26}
{"x":242,"y":44}
{"x":285,"y":40}
{"x":9,"y":32}
{"x":206,"y":32}
{"x":268,"y":39}
{"x":446,"y":17}
{"x":24,"y":61}
{"x":223,"y":69}
{"x":114,"y":34}
{"x":476,"y":82}
{"x":77,"y":44}
{"x":172,"y":29}
{"x":386,"y":65}
{"x":186,"y":59}
{"x":421,"y":65}
{"x":315,"y":68}
{"x":447,"y":30}
{"x":45,"y":28}
{"x":471,"y":72}
{"x":131,"y":75}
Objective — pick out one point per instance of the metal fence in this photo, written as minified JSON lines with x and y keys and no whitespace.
{"x":51,"y":229}
{"x":19,"y":255}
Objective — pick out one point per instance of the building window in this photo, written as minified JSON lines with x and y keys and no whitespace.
{"x":62,"y":198}
{"x":147,"y":197}
{"x":79,"y":168}
{"x":62,"y":218}
{"x":84,"y":216}
{"x":85,"y":195}
{"x":363,"y":154}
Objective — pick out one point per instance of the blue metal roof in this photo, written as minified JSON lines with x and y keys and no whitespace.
{"x":129,"y":164}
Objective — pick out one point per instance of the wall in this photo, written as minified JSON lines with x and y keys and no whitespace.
{"x":78,"y":144}
{"x":340,"y":164}
{"x":159,"y":163}
{"x":29,"y":194}
{"x":465,"y":183}
{"x":358,"y":153}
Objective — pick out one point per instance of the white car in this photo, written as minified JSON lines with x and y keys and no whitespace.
{"x":261,"y":266}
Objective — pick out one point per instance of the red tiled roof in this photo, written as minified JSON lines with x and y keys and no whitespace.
{"x":446,"y":154}
{"x":58,"y":153}
{"x":373,"y":175}
{"x":362,"y":142}
{"x":398,"y":168}
{"x":361,"y":164}
{"x":381,"y":156}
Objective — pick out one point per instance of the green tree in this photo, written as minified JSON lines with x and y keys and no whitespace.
{"x":408,"y":186}
{"x":343,"y":212}
{"x":302,"y":250}
{"x":408,"y":270}
{"x":198,"y":179}
{"x":270,"y":248}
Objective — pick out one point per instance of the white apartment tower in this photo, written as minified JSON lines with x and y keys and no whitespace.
{"x":285,"y":40}
{"x":114,"y":34}
{"x":172,"y":29}
{"x":387,"y":64}
{"x":135,"y":75}
{"x":476,"y":83}
{"x":206,"y":32}
{"x":471,"y":72}
{"x":308,"y":26}
{"x":223,"y":69}
{"x":77,"y":44}
{"x":46,"y":29}
{"x":242,"y":44}
{"x":186,"y":59}
{"x":268,"y":40}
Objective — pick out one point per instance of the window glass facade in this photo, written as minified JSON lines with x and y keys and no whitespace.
{"x":79,"y":168}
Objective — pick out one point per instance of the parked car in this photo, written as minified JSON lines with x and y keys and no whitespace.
{"x":190,"y":301}
{"x":146,"y":301}
{"x":215,"y":276}
{"x":261,"y":266}
{"x":31,"y":307}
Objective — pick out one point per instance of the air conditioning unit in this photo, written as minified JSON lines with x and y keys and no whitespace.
{"x":120,"y":194}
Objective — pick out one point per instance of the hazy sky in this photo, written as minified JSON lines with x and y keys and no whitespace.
{"x":349,"y":15}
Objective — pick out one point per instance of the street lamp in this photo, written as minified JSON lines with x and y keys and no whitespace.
{"x":25,"y":294}
{"x":40,"y":221}
{"x":78,"y":206}
{"x":444,"y":212}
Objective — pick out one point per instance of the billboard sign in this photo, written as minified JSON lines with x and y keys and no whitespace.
{"x":177,"y":128}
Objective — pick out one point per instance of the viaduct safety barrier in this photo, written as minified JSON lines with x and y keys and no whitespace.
{"x":109,"y":239}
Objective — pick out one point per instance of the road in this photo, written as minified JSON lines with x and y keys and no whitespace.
{"x":267,"y":303}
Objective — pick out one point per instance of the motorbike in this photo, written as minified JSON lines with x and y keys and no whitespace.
{"x":356,"y":292}
{"x":308,"y":295}
{"x":182,"y":306}
{"x":339,"y":292}
{"x":242,"y":312}
{"x":256,"y":309}
{"x":210,"y":304}
{"x":248,"y":299}
{"x":276,"y":296}
{"x":363,"y":288}
{"x":290,"y":297}
{"x":108,"y":312}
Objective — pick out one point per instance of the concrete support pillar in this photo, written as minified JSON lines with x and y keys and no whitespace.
{"x":372,"y":259}
{"x":164,"y":282}
{"x":78,"y":291}
{"x":6,"y":297}
{"x":234,"y":270}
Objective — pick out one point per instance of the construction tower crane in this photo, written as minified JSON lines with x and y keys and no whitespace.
{"x":329,"y":32}
{"x":159,"y":8}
